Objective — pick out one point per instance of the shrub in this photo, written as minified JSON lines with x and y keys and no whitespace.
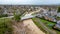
{"x":17,"y":17}
{"x":3,"y":15}
{"x":58,"y":9}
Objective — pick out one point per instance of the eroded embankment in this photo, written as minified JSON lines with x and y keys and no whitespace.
{"x":26,"y":27}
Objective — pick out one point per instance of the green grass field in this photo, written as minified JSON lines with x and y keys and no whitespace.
{"x":5,"y":26}
{"x":49,"y":24}
{"x":38,"y":25}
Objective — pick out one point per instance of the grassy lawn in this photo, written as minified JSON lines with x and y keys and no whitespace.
{"x":5,"y":26}
{"x":39,"y":26}
{"x":49,"y":24}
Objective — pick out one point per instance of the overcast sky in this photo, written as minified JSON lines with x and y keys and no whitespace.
{"x":33,"y":2}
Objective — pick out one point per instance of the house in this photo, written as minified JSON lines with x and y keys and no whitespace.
{"x":5,"y":11}
{"x":58,"y":14}
{"x":39,"y":15}
{"x":50,"y":18}
{"x":57,"y":26}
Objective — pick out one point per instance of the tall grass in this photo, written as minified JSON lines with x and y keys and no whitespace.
{"x":5,"y":26}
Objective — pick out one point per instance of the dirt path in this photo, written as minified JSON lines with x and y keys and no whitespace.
{"x":34,"y":29}
{"x":18,"y":28}
{"x":26,"y":27}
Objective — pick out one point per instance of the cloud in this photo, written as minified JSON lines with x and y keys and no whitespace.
{"x":35,"y":2}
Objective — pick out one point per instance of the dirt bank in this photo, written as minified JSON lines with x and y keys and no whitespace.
{"x":34,"y":29}
{"x":26,"y":27}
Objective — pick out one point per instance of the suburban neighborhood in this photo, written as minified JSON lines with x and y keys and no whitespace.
{"x":29,"y":19}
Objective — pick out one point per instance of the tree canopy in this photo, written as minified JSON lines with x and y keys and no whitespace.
{"x":58,"y":9}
